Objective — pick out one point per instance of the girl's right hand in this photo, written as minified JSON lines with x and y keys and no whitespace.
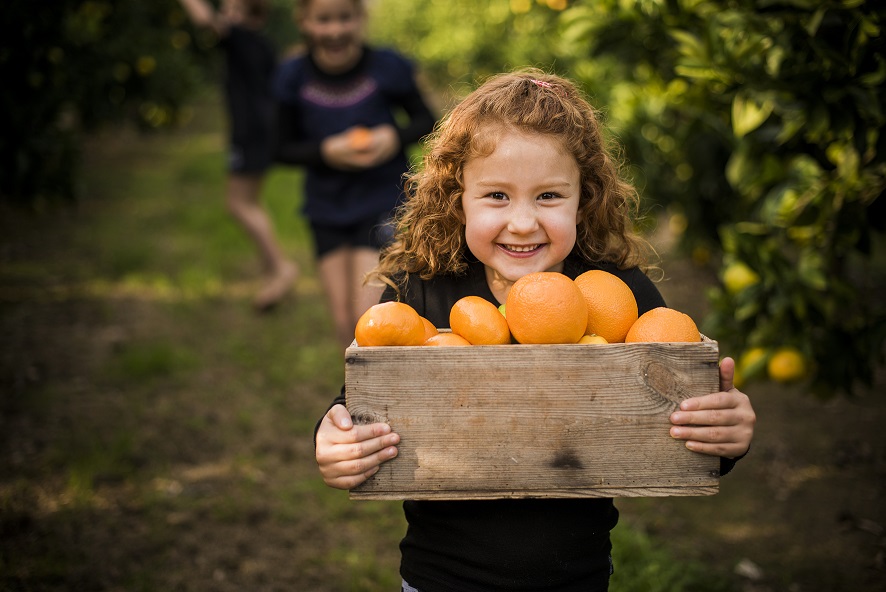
{"x":349,"y":454}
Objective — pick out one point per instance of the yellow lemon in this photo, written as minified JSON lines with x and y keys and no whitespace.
{"x":752,"y":362}
{"x":738,"y":276}
{"x":787,"y":364}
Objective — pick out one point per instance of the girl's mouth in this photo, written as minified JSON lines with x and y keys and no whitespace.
{"x":520,"y":249}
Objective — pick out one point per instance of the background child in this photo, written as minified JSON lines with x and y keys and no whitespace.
{"x":518,"y":180}
{"x":250,"y":61}
{"x":338,"y":104}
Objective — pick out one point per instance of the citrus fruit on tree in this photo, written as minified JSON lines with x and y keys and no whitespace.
{"x":752,"y":362}
{"x":737,"y":276}
{"x":444,"y":339}
{"x":612,"y":308}
{"x":390,"y":323}
{"x":479,"y":321}
{"x":787,"y":364}
{"x":546,"y":307}
{"x":663,"y":325}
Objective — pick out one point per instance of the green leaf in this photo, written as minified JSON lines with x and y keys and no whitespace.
{"x":749,"y":113}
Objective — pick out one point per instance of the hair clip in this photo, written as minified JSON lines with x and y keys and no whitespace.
{"x":544,"y":84}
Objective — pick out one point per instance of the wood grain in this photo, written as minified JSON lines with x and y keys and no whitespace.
{"x":486,"y":422}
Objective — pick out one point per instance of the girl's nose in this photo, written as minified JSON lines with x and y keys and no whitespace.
{"x":522,"y":219}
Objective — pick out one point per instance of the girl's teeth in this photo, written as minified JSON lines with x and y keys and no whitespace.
{"x":520,"y":249}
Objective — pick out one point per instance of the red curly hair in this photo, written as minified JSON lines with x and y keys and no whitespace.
{"x":429,"y":235}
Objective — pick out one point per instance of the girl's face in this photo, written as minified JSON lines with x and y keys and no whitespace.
{"x":520,"y":207}
{"x":234,"y":10}
{"x":334,"y":29}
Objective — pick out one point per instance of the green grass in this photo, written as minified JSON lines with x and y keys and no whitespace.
{"x":157,"y":433}
{"x":644,"y":564}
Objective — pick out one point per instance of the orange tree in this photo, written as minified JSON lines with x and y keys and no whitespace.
{"x":756,"y":124}
{"x":70,"y":66}
{"x":759,"y":125}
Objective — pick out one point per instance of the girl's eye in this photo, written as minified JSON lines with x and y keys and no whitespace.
{"x":498,"y":195}
{"x":548,"y":195}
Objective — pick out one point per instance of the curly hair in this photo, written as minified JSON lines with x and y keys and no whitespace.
{"x":429,"y":233}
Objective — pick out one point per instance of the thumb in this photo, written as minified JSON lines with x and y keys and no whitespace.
{"x":727,"y":374}
{"x":341,"y":417}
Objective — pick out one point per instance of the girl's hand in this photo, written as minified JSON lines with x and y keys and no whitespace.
{"x":349,"y":454}
{"x":364,"y":149}
{"x":720,"y":424}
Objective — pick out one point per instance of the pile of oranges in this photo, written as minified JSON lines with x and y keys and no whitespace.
{"x":542,"y":307}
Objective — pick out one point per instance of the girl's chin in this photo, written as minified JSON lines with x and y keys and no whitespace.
{"x":512,"y":273}
{"x":338,"y":58}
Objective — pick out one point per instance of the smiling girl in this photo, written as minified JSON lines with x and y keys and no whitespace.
{"x":518,"y":179}
{"x":337,"y":117}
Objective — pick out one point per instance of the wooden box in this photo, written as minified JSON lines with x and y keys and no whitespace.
{"x":513,"y":421}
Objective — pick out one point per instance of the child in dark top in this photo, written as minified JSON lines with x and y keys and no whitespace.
{"x":518,"y":179}
{"x":337,"y":117}
{"x":250,"y":60}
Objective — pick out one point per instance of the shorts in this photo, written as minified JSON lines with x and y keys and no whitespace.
{"x":374,"y":233}
{"x":252,"y":157}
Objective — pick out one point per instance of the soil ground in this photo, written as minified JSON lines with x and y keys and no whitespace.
{"x":158,"y":437}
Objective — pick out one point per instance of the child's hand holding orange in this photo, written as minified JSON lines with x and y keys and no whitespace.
{"x":361,"y":147}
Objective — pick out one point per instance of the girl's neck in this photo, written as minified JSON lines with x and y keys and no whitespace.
{"x":339,"y":69}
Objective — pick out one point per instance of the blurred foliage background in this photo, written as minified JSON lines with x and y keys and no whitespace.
{"x":753,"y":128}
{"x":71,"y":67}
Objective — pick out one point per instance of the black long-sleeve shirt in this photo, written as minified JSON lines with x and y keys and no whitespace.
{"x":527,"y":545}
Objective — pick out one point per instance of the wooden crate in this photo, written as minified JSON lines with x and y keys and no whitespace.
{"x":513,"y":421}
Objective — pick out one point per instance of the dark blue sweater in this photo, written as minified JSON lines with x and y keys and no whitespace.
{"x":313,"y":105}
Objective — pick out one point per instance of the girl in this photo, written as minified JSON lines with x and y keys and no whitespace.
{"x":518,"y":180}
{"x":250,"y":60}
{"x":337,"y":106}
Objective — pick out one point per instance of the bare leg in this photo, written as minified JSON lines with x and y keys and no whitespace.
{"x":364,"y":260}
{"x":335,"y":275}
{"x":243,"y":200}
{"x":341,"y":273}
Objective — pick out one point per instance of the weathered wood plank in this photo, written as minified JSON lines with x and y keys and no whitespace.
{"x":533,"y":421}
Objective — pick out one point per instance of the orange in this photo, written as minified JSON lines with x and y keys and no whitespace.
{"x":663,"y":325}
{"x":447,"y":339}
{"x":737,"y":276}
{"x":546,"y":307}
{"x":612,"y":308}
{"x":787,"y":364}
{"x":430,"y":329}
{"x":359,"y":138}
{"x":479,"y":321}
{"x":592,"y":339}
{"x":390,"y":323}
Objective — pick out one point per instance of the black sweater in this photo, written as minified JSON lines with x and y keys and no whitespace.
{"x":533,"y":545}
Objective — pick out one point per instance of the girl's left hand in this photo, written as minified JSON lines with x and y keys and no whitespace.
{"x":719,"y":424}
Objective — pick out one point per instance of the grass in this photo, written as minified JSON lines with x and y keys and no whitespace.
{"x":156,"y":434}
